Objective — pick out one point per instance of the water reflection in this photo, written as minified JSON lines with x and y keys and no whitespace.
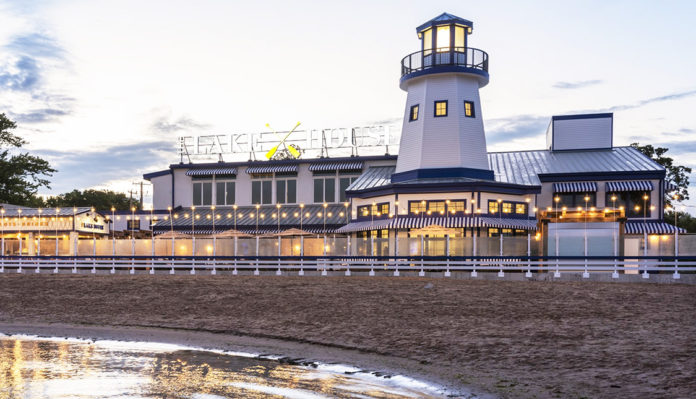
{"x":54,"y":368}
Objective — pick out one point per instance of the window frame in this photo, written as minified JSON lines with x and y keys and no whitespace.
{"x":592,"y":202}
{"x":629,"y":204}
{"x":285,"y":180}
{"x":473,"y":110}
{"x":446,"y":102}
{"x":225,"y":183}
{"x":201,"y":198}
{"x":415,"y":107}
{"x":513,"y":208}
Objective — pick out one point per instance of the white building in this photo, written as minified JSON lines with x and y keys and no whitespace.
{"x":443,"y":174}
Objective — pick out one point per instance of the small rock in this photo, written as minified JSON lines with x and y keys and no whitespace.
{"x":428,"y":286}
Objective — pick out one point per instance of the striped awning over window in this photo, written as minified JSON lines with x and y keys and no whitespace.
{"x":413,"y":222}
{"x":650,"y":228}
{"x":629,"y":185}
{"x":329,"y":166}
{"x":669,"y":186}
{"x":575,"y":187}
{"x":211,"y":171}
{"x":271,"y":169}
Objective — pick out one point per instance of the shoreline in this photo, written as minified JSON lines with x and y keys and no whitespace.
{"x":297,"y":351}
{"x":510,"y":339}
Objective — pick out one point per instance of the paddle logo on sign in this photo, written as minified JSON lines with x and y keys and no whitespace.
{"x":288,"y":151}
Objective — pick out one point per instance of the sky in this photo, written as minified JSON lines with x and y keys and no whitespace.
{"x":102,"y":89}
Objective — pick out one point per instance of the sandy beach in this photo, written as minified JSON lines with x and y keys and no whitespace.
{"x":511,"y":339}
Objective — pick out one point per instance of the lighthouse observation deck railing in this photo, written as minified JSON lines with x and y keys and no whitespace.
{"x":465,"y":57}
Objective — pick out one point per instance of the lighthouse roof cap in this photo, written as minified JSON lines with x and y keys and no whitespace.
{"x":443,"y":19}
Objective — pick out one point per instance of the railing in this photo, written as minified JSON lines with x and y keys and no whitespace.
{"x":346,"y":265}
{"x":466,"y":57}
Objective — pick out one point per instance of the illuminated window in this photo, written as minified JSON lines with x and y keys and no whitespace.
{"x":436,"y":207}
{"x":414,"y":113}
{"x":443,"y":38}
{"x":459,"y":38}
{"x":440,"y":108}
{"x":469,"y":109}
{"x":364,"y":211}
{"x":492,"y":207}
{"x":456,"y":206}
{"x":427,"y":41}
{"x":507,"y":207}
{"x":521,"y":209}
{"x":416,"y":207}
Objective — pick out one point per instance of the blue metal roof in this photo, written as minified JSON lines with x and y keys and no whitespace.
{"x":444,"y":19}
{"x":375,"y":176}
{"x":524,"y":167}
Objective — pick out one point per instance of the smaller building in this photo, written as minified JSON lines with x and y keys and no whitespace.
{"x":48,"y":231}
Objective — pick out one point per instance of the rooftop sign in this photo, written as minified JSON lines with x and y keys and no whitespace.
{"x":311,"y":143}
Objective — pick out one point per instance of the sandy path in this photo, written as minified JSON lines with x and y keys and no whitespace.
{"x":516,"y":339}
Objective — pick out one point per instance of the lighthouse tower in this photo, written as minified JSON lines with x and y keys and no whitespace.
{"x":442,"y":135}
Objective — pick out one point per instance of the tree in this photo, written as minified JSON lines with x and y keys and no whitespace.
{"x":684,"y":220}
{"x":676,"y":174}
{"x":21,"y":174}
{"x":99,"y":199}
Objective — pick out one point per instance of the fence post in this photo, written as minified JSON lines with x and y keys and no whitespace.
{"x":301,"y":272}
{"x":447,"y":251}
{"x":256,"y":271}
{"x":585,"y":273}
{"x":676,"y":275}
{"x":421,"y":273}
{"x":615,"y":273}
{"x":348,"y":254}
{"x":234,"y":271}
{"x":529,"y":255}
{"x":372,"y":254}
{"x":474,"y":251}
{"x":501,"y":273}
{"x":645,"y":254}
{"x":557,"y":273}
{"x":278,"y":272}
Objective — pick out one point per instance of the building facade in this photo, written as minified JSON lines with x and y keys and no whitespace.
{"x":443,"y":182}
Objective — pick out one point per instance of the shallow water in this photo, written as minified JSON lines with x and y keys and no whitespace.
{"x":61,"y":368}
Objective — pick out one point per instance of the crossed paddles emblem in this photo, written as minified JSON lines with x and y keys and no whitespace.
{"x":289,"y":148}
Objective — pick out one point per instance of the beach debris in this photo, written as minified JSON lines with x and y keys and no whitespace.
{"x":428,"y":286}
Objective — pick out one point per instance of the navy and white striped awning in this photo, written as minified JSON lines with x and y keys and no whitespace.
{"x":629,"y":185}
{"x":650,"y":228}
{"x":457,"y":222}
{"x":328,"y":166}
{"x":669,"y":186}
{"x":271,"y":169}
{"x":211,"y":171}
{"x":575,"y":187}
{"x":366,"y":225}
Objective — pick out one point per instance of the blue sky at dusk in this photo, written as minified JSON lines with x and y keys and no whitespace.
{"x":103,"y":88}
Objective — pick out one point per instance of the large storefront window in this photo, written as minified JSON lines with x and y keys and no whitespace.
{"x":203,"y":193}
{"x":636,"y":204}
{"x":373,"y":211}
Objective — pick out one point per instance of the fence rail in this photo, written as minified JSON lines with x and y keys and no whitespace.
{"x":346,"y":265}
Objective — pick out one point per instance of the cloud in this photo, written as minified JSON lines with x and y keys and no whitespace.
{"x":79,"y":170}
{"x":36,"y":45}
{"x":39,"y":115}
{"x":678,"y":147}
{"x":515,"y":127}
{"x":20,"y":75}
{"x":577,"y":85}
{"x":641,"y":103}
{"x":165,"y":125}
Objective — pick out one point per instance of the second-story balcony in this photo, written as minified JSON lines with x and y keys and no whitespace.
{"x":445,"y":59}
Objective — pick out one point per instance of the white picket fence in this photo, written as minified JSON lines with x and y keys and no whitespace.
{"x":616,"y":266}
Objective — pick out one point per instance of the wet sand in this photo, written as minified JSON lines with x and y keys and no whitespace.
{"x":534,"y":339}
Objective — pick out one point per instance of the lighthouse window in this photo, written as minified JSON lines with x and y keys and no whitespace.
{"x":469,"y":109}
{"x":443,"y":38}
{"x":414,"y":113}
{"x":440,"y":108}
